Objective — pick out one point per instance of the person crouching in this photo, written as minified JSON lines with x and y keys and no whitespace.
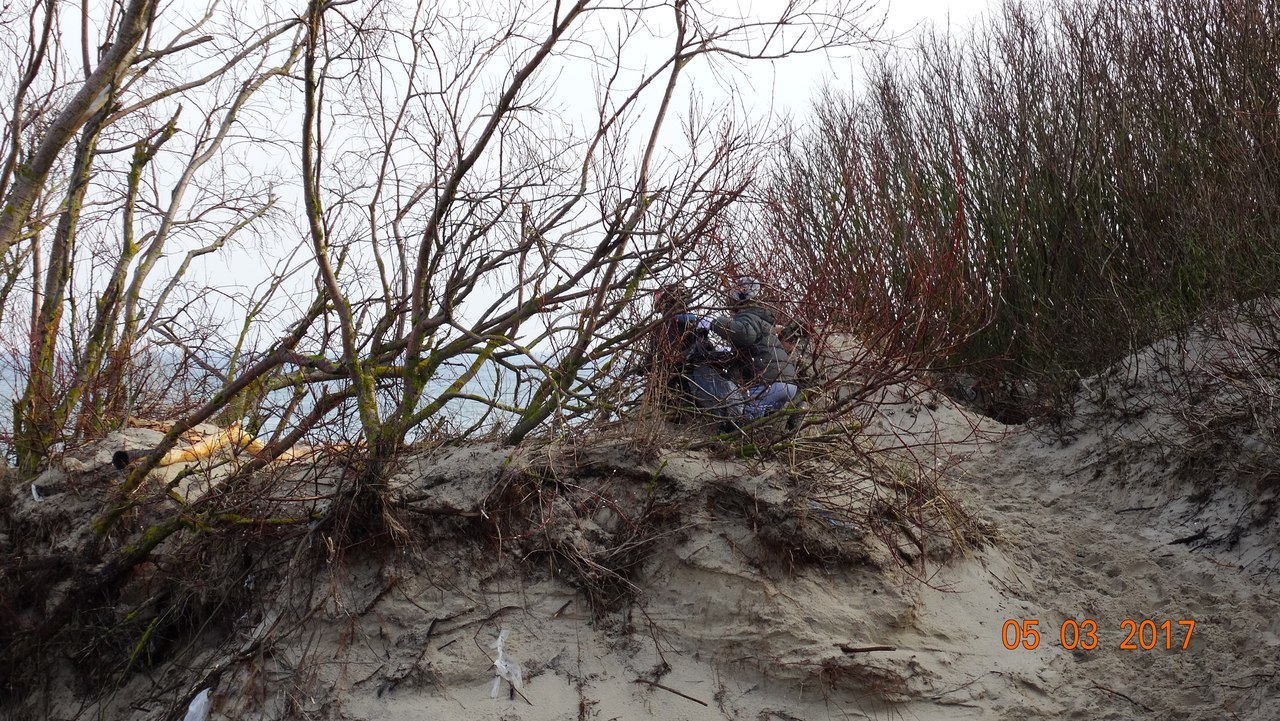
{"x":766,"y":368}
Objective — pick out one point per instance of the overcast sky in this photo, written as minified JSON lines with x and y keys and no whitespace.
{"x":787,"y":87}
{"x":767,"y":90}
{"x":797,"y":81}
{"x":762,"y":92}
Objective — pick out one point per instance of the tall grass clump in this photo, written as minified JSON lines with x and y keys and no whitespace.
{"x":1066,"y":183}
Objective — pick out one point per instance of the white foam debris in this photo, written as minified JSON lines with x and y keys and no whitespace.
{"x":198,"y":710}
{"x":504,"y":666}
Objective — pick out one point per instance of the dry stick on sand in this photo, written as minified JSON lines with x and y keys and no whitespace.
{"x":863,"y":649}
{"x":1190,"y":539}
{"x":1142,"y":706}
{"x":517,"y":692}
{"x":668,"y":689}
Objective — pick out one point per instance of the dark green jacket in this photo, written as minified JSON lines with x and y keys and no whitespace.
{"x":750,"y":331}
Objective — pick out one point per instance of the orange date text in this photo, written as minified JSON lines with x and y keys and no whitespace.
{"x":1086,"y":635}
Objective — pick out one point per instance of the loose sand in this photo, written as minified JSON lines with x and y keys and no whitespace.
{"x":749,"y":593}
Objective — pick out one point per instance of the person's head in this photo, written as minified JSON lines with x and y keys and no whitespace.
{"x":744,"y":290}
{"x":672,"y":299}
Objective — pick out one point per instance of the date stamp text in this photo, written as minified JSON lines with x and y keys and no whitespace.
{"x":1086,"y":634}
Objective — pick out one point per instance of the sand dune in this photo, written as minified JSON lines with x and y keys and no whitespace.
{"x":646,"y":581}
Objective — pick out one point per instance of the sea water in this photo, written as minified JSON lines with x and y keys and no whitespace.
{"x":503,"y":385}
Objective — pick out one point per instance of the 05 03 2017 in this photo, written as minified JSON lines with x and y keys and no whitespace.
{"x":1084,"y":635}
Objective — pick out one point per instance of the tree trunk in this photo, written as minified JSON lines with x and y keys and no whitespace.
{"x":30,"y":179}
{"x":42,"y":416}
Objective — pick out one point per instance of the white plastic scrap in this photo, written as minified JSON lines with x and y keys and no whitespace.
{"x":199,"y":708}
{"x":504,"y":666}
{"x":35,"y":494}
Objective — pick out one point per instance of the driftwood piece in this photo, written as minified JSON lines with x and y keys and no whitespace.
{"x":846,"y":648}
{"x":206,"y":446}
{"x":668,"y":689}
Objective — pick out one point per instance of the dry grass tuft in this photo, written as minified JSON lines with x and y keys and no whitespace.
{"x":594,"y":526}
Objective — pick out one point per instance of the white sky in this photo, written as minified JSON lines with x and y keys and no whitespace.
{"x":794,"y":82}
{"x":762,"y":91}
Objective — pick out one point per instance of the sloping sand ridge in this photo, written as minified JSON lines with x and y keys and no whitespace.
{"x":649,"y":581}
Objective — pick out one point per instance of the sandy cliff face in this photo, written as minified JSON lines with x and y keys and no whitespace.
{"x":639,"y":581}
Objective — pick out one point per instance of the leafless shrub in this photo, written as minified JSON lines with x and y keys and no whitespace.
{"x":1022,"y":203}
{"x":461,"y":243}
{"x":595,"y":528}
{"x":866,"y":677}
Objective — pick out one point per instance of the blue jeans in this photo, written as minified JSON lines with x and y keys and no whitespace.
{"x":712,"y":391}
{"x":765,"y":399}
